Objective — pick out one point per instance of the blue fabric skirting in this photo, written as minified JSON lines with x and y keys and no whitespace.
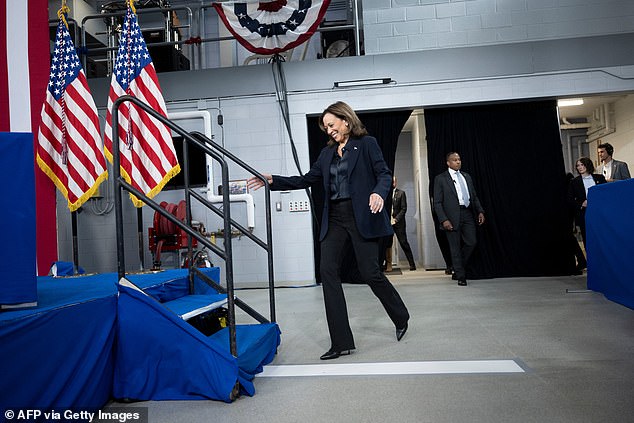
{"x":71,"y":351}
{"x":610,"y":240}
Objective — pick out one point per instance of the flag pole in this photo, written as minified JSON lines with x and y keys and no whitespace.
{"x":139,"y":210}
{"x":73,"y":216}
{"x":61,"y":14}
{"x":139,"y":224}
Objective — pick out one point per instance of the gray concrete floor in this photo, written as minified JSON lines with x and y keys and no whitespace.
{"x":577,"y":350}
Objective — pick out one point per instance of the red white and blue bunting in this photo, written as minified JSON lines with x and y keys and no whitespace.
{"x":272,"y":27}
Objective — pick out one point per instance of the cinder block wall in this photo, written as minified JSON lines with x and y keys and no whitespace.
{"x":412,"y":25}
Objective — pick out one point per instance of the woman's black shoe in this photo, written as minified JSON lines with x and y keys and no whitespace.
{"x":330,"y":354}
{"x":400,"y":333}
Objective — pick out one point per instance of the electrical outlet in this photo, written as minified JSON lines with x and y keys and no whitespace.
{"x":299,"y":206}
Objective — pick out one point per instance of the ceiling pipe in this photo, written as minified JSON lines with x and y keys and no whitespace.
{"x":574,"y":126}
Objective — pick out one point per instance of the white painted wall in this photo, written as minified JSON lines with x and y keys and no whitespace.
{"x":623,"y":139}
{"x":404,"y":172}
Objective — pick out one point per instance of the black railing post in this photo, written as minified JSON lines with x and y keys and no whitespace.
{"x":73,"y":217}
{"x":118,"y":203}
{"x":139,"y":228}
{"x":269,"y":241}
{"x":226,"y":205}
{"x":188,"y":213}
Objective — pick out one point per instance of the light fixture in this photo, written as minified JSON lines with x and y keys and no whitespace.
{"x":570,"y":102}
{"x":363,"y":82}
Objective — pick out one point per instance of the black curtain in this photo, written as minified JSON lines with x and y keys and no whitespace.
{"x":385,"y":127}
{"x":513,"y":152}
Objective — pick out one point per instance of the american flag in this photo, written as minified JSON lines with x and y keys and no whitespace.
{"x":148,"y":159}
{"x":70,"y":149}
{"x":24,"y":66}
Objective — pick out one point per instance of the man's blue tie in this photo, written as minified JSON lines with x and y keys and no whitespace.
{"x":463,"y":188}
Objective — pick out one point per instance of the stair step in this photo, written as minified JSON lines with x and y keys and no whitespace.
{"x":189,"y":306}
{"x":251,"y":340}
{"x":168,"y":285}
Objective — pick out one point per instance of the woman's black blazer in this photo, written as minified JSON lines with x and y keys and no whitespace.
{"x":577,"y":193}
{"x":367,"y":173}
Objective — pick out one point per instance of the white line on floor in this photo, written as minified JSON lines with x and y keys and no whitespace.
{"x":400,"y":368}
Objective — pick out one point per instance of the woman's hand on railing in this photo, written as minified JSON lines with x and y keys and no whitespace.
{"x":254,"y":183}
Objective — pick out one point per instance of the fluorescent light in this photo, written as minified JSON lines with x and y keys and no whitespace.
{"x":361,"y":82}
{"x":570,"y":102}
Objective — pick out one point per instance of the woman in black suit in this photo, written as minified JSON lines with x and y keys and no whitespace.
{"x":578,"y":191}
{"x":356,"y":181}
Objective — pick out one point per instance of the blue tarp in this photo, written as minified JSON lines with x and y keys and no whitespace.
{"x":161,"y":357}
{"x":60,"y":354}
{"x":257,"y":345}
{"x":166,"y":286}
{"x":18,"y":280}
{"x":610,"y":240}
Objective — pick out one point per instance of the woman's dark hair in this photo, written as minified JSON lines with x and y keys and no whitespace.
{"x":344,"y":112}
{"x":587,"y":163}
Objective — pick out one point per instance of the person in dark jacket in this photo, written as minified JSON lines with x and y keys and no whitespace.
{"x":580,"y":257}
{"x":399,"y":208}
{"x":578,"y":191}
{"x":458,"y":209}
{"x":356,"y":181}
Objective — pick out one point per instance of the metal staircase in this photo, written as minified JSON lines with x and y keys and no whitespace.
{"x":188,"y":307}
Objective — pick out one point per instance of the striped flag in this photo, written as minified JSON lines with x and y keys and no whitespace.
{"x":70,"y":149}
{"x":24,"y":66}
{"x":148,"y":159}
{"x":274,"y":26}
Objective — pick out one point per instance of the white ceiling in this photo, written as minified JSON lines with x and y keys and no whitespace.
{"x":588,"y":106}
{"x":570,"y":113}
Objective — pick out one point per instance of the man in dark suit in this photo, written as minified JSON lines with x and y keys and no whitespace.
{"x":399,"y":208}
{"x":456,"y":205}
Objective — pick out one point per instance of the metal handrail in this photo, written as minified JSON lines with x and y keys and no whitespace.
{"x":268,"y":245}
{"x":227,"y":254}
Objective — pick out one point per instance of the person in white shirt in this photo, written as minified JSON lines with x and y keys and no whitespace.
{"x":612,"y":170}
